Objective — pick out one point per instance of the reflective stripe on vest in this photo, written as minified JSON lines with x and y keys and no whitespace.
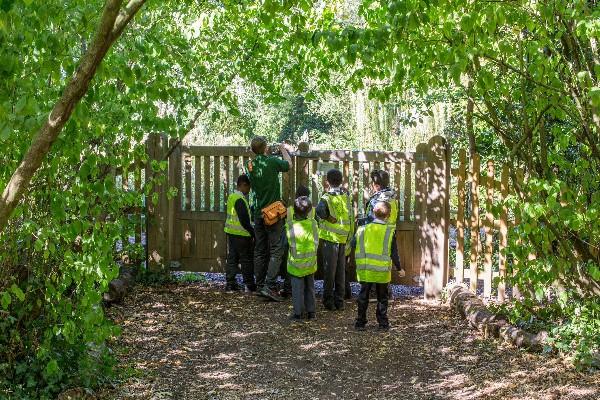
{"x":303,"y":238}
{"x":373,"y":261}
{"x":339,"y":231}
{"x":232,"y":223}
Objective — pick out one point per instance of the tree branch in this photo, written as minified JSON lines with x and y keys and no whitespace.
{"x":111,"y":25}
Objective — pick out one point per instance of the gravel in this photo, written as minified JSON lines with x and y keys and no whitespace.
{"x":218,"y":280}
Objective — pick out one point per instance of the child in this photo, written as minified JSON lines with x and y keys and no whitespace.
{"x":287,"y":288}
{"x":240,"y":237}
{"x":303,"y":239}
{"x":335,"y":227}
{"x":380,"y":186}
{"x":373,"y":244}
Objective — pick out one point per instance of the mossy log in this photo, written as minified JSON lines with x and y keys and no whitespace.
{"x":476,"y":313}
{"x":118,"y":288}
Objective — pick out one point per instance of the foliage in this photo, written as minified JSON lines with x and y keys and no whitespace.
{"x":531,"y":71}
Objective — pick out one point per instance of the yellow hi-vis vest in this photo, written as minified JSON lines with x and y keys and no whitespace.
{"x":394,"y":206}
{"x":232,"y":224}
{"x":393,"y":218}
{"x":290,"y":213}
{"x":340,"y":207}
{"x":373,"y":261}
{"x":303,"y":239}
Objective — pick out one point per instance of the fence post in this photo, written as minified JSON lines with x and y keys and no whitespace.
{"x":156,"y":203}
{"x":174,"y":204}
{"x":488,"y":227}
{"x":460,"y":218}
{"x":421,"y":207}
{"x":436,"y":227}
{"x":475,"y":238}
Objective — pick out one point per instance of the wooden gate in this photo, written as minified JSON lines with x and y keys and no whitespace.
{"x":206,"y":175}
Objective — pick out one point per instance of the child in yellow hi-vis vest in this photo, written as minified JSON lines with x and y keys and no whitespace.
{"x":303,"y":239}
{"x":240,"y":237}
{"x":373,"y":254}
{"x":336,"y":223}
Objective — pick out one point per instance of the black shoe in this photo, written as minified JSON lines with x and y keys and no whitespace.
{"x":251,"y":288}
{"x":311,"y":315}
{"x":384,"y":328}
{"x":340,"y":307}
{"x":232,"y":287}
{"x":295,"y":318}
{"x":270,"y":294}
{"x":359,"y":326}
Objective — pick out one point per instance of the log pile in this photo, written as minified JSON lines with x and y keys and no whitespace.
{"x":476,"y":313}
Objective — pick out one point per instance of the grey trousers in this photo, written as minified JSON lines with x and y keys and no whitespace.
{"x":268,"y":251}
{"x":334,"y":274}
{"x":303,"y":294}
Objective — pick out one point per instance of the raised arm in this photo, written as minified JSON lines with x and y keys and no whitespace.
{"x":285,"y":154}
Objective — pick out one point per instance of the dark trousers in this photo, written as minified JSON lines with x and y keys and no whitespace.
{"x":240,"y":251}
{"x":303,"y":294}
{"x":334,"y":274}
{"x":382,"y":303}
{"x":268,"y":251}
{"x":287,"y":284}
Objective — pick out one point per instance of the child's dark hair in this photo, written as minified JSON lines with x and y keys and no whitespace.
{"x":302,"y":190}
{"x":380,"y":177}
{"x":243,"y":179}
{"x":334,"y":177}
{"x":302,"y":207}
{"x":258,"y":145}
{"x":382,"y":210}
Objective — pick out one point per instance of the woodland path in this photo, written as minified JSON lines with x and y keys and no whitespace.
{"x":196,"y":342}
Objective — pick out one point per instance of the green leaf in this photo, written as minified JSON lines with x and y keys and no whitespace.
{"x":17,"y":292}
{"x":5,"y":300}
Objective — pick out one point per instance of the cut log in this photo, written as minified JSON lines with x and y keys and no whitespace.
{"x":118,"y":288}
{"x":478,"y":316}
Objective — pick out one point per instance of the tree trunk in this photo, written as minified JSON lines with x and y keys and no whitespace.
{"x":112,"y":23}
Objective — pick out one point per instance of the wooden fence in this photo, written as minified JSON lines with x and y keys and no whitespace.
{"x":479,"y":235}
{"x":186,"y":230}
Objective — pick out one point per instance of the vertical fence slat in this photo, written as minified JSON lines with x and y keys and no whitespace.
{"x":217,"y":183}
{"x":346,"y":173}
{"x":503,"y":235}
{"x":197,"y":183}
{"x":489,"y":225}
{"x":516,"y":291}
{"x":398,"y":185}
{"x":407,"y":191}
{"x":460,"y":218}
{"x":236,"y":169}
{"x":366,"y":194}
{"x":177,"y":229}
{"x":206,"y":161}
{"x":187,"y":206}
{"x":313,"y":184}
{"x":355,"y":181}
{"x":225,"y":175}
{"x":474,"y":175}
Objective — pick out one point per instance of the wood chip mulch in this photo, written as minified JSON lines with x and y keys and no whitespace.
{"x":197,"y":342}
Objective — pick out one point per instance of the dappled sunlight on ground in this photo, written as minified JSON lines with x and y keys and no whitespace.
{"x":194,"y":342}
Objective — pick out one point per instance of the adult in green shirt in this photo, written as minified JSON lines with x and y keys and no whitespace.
{"x":263,"y":171}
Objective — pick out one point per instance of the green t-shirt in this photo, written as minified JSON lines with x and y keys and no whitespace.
{"x":263,"y":172}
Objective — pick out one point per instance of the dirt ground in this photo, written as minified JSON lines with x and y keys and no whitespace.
{"x":197,"y":342}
